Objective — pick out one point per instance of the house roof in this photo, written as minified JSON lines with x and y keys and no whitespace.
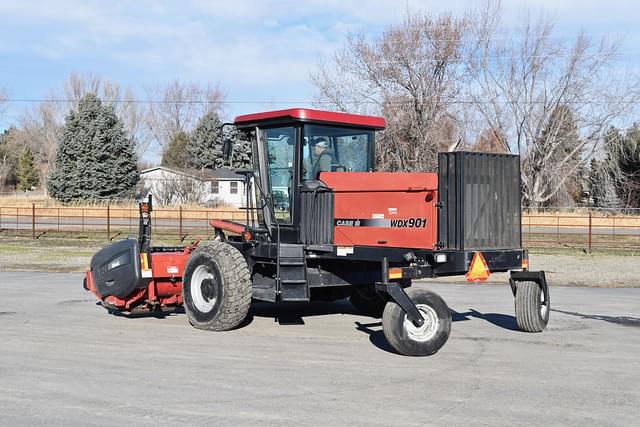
{"x":206,"y":174}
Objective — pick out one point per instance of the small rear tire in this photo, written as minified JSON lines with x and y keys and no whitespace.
{"x":405,"y":337}
{"x":216,"y":287}
{"x":532,"y":307}
{"x":366,"y":301}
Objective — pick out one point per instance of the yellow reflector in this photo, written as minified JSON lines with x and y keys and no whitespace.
{"x":145,"y":261}
{"x":478,"y":270}
{"x":395,"y":273}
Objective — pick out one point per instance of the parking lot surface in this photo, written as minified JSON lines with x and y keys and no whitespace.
{"x":65,"y":361}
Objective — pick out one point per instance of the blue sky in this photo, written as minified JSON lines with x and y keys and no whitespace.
{"x":256,"y":50}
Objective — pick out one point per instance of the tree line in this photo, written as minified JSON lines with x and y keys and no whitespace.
{"x":442,"y":82}
{"x":447,"y":82}
{"x":89,"y":142}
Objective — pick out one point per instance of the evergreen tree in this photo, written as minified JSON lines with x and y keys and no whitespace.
{"x":175,"y":154}
{"x":623,"y":155}
{"x":8,"y":160}
{"x":27,"y":172}
{"x":95,"y":159}
{"x":205,"y":144}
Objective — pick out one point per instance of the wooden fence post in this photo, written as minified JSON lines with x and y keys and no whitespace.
{"x":33,"y":220}
{"x":180,"y":223}
{"x":108,"y":222}
{"x":590,"y":233}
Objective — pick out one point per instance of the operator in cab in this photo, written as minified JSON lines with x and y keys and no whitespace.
{"x":321,"y":159}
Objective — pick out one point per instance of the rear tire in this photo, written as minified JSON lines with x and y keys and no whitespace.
{"x":216,"y":287}
{"x":405,"y":337}
{"x":367,"y":301}
{"x":532,"y":307}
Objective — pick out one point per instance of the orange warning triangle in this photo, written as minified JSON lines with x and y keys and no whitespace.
{"x":478,"y":270}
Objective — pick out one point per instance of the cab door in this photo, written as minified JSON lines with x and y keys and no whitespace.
{"x":278,"y":160}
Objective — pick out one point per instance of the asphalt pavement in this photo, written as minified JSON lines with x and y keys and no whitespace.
{"x":65,"y":361}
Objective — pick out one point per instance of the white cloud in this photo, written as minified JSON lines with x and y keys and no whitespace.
{"x":255,"y":49}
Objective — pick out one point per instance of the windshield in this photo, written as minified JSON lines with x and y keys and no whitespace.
{"x":337,"y":149}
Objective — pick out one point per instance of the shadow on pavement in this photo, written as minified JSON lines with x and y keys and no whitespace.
{"x":376,"y":336}
{"x":144,"y":314}
{"x":618,"y":320}
{"x":504,"y":321}
{"x":293,"y":313}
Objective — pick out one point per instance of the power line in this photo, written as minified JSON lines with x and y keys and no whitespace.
{"x":306,"y":102}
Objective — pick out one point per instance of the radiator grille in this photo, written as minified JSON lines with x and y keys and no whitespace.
{"x":480,"y":197}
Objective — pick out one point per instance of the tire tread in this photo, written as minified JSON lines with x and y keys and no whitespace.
{"x":236,"y":293}
{"x":527,"y":308}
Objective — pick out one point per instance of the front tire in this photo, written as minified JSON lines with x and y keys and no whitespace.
{"x":216,"y":287}
{"x":532,"y":306}
{"x":405,"y":337}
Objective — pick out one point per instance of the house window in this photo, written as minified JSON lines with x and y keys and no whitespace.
{"x":215,"y":187}
{"x":233,"y":187}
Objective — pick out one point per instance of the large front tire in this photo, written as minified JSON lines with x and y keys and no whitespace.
{"x":532,"y":304}
{"x":405,"y":337}
{"x":216,"y":287}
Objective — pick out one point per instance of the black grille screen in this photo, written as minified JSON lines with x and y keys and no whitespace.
{"x":316,"y":209}
{"x":480,"y":197}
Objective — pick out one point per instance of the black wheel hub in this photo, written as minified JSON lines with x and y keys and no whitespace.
{"x":207,"y":288}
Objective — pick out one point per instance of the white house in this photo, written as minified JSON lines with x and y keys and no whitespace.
{"x":207,"y":186}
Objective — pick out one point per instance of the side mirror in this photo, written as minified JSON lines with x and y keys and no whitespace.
{"x":227,"y":150}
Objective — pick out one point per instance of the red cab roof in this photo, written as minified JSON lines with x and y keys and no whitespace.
{"x":309,"y":115}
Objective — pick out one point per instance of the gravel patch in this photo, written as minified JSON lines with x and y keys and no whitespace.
{"x":611,"y":271}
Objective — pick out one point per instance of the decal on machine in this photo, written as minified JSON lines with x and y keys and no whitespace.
{"x":382,"y":223}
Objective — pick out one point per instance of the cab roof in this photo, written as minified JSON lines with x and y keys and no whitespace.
{"x":307,"y":115}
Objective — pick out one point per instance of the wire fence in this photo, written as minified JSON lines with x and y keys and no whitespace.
{"x":111,"y":222}
{"x":586,"y":229}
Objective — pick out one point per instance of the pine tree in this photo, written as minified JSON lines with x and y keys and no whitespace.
{"x":205,"y":144}
{"x":175,"y":154}
{"x":95,"y":158}
{"x":27,"y":172}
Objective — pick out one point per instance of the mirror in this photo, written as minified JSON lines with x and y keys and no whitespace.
{"x":227,"y":150}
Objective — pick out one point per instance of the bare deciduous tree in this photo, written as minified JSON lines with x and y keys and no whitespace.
{"x":177,"y":107}
{"x":411,"y":74}
{"x":176,"y":190}
{"x":38,"y":130}
{"x":4,"y":95}
{"x":551,"y":98}
{"x":38,"y":126}
{"x":128,"y":109}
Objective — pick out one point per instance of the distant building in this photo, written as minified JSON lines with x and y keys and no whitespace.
{"x":208,"y":186}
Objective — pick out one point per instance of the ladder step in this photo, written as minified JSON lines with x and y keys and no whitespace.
{"x":287,"y":263}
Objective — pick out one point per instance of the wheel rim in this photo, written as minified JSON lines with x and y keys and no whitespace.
{"x":202,"y":288}
{"x":428,"y":329}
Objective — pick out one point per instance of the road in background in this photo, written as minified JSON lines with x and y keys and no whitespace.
{"x":65,"y":361}
{"x":588,"y":230}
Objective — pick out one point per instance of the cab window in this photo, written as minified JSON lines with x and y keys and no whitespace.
{"x":336,"y":149}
